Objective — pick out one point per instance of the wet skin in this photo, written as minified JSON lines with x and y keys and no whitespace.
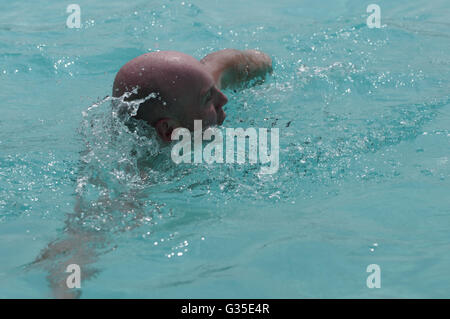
{"x":187,"y":89}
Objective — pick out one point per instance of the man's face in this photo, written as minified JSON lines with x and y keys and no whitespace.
{"x":195,"y":97}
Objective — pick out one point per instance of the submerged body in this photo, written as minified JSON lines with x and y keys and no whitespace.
{"x":185,"y":90}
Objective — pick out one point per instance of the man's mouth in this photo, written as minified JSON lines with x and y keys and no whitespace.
{"x":221,"y":117}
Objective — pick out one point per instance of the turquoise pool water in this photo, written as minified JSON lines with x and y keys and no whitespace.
{"x":364,"y":176}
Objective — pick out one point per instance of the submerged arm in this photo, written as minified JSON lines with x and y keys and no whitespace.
{"x":232,"y":67}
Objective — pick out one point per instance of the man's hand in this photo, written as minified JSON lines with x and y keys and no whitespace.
{"x":232,"y":67}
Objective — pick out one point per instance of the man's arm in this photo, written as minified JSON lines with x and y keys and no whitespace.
{"x":232,"y":67}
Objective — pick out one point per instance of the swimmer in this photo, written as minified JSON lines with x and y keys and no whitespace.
{"x":184,"y":88}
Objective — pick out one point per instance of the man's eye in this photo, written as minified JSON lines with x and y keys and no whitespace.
{"x":208,"y":97}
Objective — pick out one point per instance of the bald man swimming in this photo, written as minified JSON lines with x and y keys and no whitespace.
{"x":179,"y":89}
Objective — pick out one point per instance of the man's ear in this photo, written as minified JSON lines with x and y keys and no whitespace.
{"x":164,"y":127}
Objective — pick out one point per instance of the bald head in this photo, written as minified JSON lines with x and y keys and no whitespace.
{"x":165,"y":74}
{"x":157,"y":70}
{"x":176,"y":86}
